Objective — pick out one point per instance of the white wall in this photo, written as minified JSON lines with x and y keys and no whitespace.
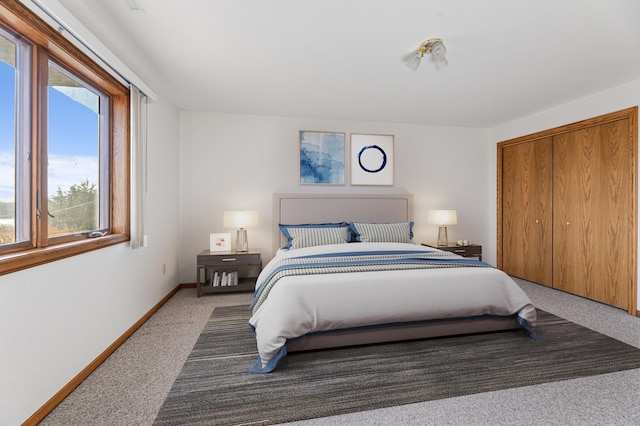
{"x":611,"y":100}
{"x":237,"y":162}
{"x":55,"y":319}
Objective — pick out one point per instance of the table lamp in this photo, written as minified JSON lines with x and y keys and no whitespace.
{"x":442,"y":218}
{"x":240,"y":220}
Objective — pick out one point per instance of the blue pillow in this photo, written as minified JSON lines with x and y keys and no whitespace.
{"x":313,"y":234}
{"x":400,"y":232}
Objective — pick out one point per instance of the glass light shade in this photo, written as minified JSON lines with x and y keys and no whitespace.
{"x":439,"y":51}
{"x":414,"y":61}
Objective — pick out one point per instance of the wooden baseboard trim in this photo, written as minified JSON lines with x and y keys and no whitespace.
{"x":48,"y":407}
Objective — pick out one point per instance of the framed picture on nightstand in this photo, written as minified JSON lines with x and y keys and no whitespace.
{"x":220,"y":242}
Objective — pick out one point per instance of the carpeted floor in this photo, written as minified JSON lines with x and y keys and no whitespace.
{"x":214,"y":386}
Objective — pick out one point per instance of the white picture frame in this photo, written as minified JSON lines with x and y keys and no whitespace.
{"x":372,"y":159}
{"x":220,"y":242}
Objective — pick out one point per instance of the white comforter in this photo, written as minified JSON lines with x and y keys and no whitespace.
{"x":298,"y":305}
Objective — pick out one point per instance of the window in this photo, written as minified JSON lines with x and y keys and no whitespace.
{"x":63,"y":147}
{"x":77,"y":134}
{"x":15,"y":138}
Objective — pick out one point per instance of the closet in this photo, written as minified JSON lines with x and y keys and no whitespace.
{"x":567,"y":208}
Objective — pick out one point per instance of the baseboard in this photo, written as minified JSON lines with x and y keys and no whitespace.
{"x":48,"y":407}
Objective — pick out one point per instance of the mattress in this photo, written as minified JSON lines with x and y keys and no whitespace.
{"x":300,"y":305}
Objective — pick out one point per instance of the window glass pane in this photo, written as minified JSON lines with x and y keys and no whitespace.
{"x":7,"y":142}
{"x":73,"y":150}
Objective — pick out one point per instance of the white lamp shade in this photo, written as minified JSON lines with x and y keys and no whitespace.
{"x":240,"y":219}
{"x":442,"y":217}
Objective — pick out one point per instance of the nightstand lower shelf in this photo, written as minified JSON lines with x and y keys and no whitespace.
{"x":243,"y":285}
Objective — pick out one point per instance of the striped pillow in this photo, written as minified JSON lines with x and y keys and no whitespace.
{"x":299,"y":236}
{"x":401,"y":232}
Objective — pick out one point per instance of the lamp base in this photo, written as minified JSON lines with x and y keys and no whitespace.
{"x":242,"y":243}
{"x":442,"y":236}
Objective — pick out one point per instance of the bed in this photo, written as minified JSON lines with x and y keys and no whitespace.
{"x":324,"y":292}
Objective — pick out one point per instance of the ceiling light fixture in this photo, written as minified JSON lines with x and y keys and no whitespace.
{"x":435,"y":46}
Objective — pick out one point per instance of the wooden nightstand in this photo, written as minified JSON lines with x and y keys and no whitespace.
{"x":225,"y":271}
{"x":472,"y":250}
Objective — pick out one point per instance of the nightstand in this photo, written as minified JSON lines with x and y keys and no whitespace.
{"x":472,"y":250}
{"x":225,"y":271}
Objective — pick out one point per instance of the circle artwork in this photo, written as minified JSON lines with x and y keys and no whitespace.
{"x":372,"y":158}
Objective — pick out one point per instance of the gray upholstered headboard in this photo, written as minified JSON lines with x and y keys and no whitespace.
{"x":299,"y":208}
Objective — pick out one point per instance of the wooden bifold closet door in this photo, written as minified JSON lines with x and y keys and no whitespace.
{"x":527,"y":210}
{"x":593,"y":218}
{"x":567,"y":202}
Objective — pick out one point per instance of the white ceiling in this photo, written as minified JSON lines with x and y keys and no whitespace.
{"x":345,"y":59}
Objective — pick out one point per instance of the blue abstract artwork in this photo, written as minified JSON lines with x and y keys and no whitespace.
{"x":321,"y":158}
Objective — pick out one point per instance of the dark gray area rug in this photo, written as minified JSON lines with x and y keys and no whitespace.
{"x":215,"y":388}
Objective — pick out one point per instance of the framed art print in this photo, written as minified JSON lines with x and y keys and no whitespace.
{"x":371,"y":159}
{"x":322,"y":157}
{"x":220,"y":242}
